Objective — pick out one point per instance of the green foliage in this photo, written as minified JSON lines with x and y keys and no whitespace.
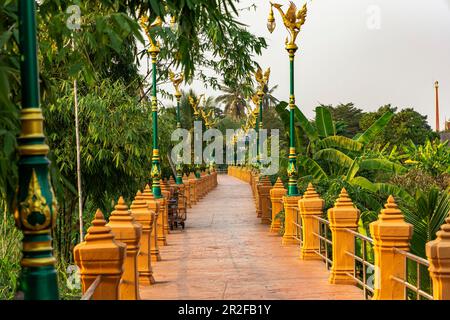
{"x":10,"y":254}
{"x":347,"y":118}
{"x":324,"y":122}
{"x":375,"y":128}
{"x":405,"y":125}
{"x":281,"y":217}
{"x":426,"y":213}
{"x":432,"y":157}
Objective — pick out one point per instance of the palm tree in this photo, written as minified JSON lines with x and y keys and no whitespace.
{"x":269,"y":99}
{"x":234,"y":98}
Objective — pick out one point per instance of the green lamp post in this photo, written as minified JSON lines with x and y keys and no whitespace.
{"x":176,"y":81}
{"x":262,"y":80}
{"x":210,"y":122}
{"x":154,"y":51}
{"x":195,"y":104}
{"x":293,"y":21}
{"x":36,"y":207}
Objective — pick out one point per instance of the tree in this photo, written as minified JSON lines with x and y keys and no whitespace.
{"x":406,"y":125}
{"x":349,"y":115}
{"x":234,"y":99}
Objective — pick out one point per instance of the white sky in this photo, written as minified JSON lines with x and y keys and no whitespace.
{"x":341,"y":59}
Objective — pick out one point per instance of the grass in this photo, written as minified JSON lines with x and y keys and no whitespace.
{"x":10,"y":255}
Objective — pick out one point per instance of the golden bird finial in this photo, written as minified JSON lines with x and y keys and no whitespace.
{"x":293,"y":21}
{"x":176,"y":81}
{"x":154,"y":45}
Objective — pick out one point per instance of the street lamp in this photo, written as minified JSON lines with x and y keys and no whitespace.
{"x":262,"y":80}
{"x":195,"y":104}
{"x":36,"y":208}
{"x":154,"y":51}
{"x":293,"y":21}
{"x":210,"y":121}
{"x":176,"y":81}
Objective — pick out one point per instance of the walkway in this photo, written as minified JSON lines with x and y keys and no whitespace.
{"x":226,"y":253}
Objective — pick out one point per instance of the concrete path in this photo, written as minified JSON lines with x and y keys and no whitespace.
{"x":226,"y":253}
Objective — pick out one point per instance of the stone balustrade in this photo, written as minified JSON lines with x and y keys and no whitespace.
{"x":388,"y":240}
{"x":116,"y":256}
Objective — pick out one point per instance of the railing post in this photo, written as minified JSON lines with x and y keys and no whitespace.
{"x":166,"y":192}
{"x":256,"y":197}
{"x":160,"y":209}
{"x":344,"y":215}
{"x":128,"y":231}
{"x":146,"y":217}
{"x":264,"y":187}
{"x":390,"y":231}
{"x":187,"y":191}
{"x":438,"y":253}
{"x":101,"y":255}
{"x":193,"y":186}
{"x":276,"y":195}
{"x":154,"y":206}
{"x":310,"y":206}
{"x":290,"y":204}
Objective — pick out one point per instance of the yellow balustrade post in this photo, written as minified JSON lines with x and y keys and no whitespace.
{"x":101,"y":255}
{"x":438,"y":253}
{"x":276,"y":196}
{"x":146,"y":217}
{"x":166,"y":192}
{"x":193,"y":186}
{"x":257,"y":199}
{"x":187,"y":191}
{"x":155,"y":206}
{"x":310,"y":206}
{"x":128,"y":231}
{"x":388,"y":232}
{"x":148,"y":195}
{"x":254,"y":178}
{"x":202,"y":184}
{"x":264,"y":199}
{"x":344,"y":215}
{"x":290,"y":204}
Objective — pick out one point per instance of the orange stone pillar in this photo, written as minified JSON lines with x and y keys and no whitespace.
{"x":256,"y":197}
{"x":310,"y":206}
{"x":167,"y":194}
{"x":276,"y":196}
{"x":150,"y":198}
{"x":101,"y":255}
{"x":154,"y":206}
{"x":264,"y":199}
{"x":290,"y":204}
{"x":388,"y":232}
{"x":438,"y":253}
{"x":193,"y":186}
{"x":344,"y":215}
{"x":146,"y":217}
{"x":187,"y":191}
{"x":128,"y":231}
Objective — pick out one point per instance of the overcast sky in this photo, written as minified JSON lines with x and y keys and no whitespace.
{"x":347,"y":53}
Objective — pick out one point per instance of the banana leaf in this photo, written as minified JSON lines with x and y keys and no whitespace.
{"x":375,"y":128}
{"x":335,"y":156}
{"x":340,"y":142}
{"x":312,"y":168}
{"x":324,"y":122}
{"x":381,"y":164}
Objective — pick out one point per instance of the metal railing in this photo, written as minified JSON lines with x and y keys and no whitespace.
{"x":298,"y":227}
{"x":91,"y":290}
{"x":325,"y":242}
{"x":362,"y":263}
{"x":417,"y":288}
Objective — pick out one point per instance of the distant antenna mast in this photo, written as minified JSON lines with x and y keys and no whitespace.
{"x":436,"y":86}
